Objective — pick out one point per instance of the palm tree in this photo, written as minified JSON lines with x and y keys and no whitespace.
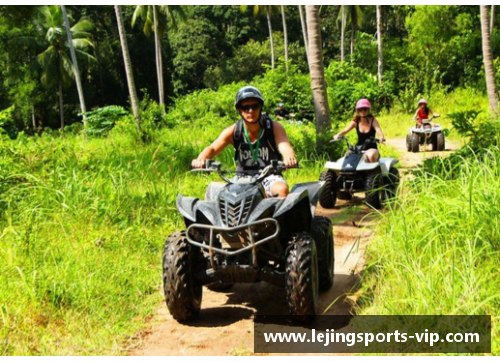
{"x":134,"y":100}
{"x":285,"y":34}
{"x":492,"y":22}
{"x":488,"y":61}
{"x":257,"y":9}
{"x":304,"y":29}
{"x":56,"y":67}
{"x":318,"y":84}
{"x":342,"y":33}
{"x":354,"y":15}
{"x":75,"y":63}
{"x":379,"y":38}
{"x":157,"y":19}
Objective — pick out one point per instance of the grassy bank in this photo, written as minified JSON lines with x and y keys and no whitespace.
{"x":82,"y":227}
{"x":437,"y":250}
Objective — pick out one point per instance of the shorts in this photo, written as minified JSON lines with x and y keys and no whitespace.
{"x":269,"y":181}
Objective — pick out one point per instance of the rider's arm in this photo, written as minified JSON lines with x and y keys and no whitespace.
{"x":346,"y":130}
{"x":225,"y":139}
{"x":416,"y":115}
{"x":284,"y":145}
{"x":377,"y":127}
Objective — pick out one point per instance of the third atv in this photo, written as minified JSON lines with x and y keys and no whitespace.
{"x":427,"y":133}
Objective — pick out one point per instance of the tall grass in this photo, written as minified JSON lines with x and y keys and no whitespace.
{"x":82,"y":226}
{"x":437,"y":250}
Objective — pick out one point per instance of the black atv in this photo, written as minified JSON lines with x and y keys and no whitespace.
{"x":352,"y":174}
{"x":238,"y":235}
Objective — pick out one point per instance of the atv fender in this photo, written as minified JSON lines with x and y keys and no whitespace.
{"x":313,"y":189}
{"x":213,"y":190}
{"x":368,"y":166}
{"x":386,"y":164}
{"x":266,"y":204}
{"x":335,"y":166}
{"x":290,"y":201}
{"x":187,"y":206}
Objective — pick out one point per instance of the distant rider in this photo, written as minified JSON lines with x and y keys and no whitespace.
{"x":366,"y":127}
{"x":281,"y":113}
{"x":257,"y":140}
{"x":422,"y":112}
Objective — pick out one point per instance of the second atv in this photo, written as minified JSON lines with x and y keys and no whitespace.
{"x":352,"y":174}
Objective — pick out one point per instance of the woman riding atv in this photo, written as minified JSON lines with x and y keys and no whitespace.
{"x":367,"y":127}
{"x":423,"y":112}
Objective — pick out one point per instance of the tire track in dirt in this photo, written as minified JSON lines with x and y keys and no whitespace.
{"x":225,"y":324}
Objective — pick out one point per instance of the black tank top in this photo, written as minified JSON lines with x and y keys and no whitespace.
{"x":268,"y":150}
{"x":362,"y":137}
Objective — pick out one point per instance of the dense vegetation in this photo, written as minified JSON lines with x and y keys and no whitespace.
{"x":84,"y":213}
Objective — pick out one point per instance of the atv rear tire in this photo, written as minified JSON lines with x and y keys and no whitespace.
{"x":301,"y":273}
{"x":440,"y":141}
{"x":328,"y":197}
{"x":322,"y":232}
{"x":391,"y":183}
{"x":373,"y":190}
{"x":415,"y":142}
{"x":182,"y":293}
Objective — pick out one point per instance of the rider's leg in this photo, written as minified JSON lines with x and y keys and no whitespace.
{"x":372,"y":155}
{"x":279,"y":189}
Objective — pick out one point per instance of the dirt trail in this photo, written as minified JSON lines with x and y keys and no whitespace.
{"x":225,"y":323}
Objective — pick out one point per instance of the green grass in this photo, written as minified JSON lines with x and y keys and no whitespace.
{"x":437,"y":250}
{"x":82,"y":227}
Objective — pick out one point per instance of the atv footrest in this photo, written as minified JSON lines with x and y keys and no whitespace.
{"x":242,"y":274}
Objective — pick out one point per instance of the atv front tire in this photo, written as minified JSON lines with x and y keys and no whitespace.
{"x":301,"y":272}
{"x":182,"y":293}
{"x":328,"y":197}
{"x":322,"y":232}
{"x":415,"y":142}
{"x":373,"y":190}
{"x":440,"y":141}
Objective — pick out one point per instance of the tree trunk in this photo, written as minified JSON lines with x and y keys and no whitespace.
{"x":488,"y":61}
{"x":318,"y":84}
{"x":379,"y":38}
{"x":353,"y":32}
{"x":33,"y":118}
{"x":342,"y":34}
{"x":159,"y":65}
{"x":285,"y":32}
{"x":134,"y":100}
{"x":492,"y":22}
{"x":75,"y":64}
{"x":61,"y":105}
{"x":268,"y":12}
{"x":304,"y":31}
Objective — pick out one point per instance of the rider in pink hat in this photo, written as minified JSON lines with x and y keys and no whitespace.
{"x":367,"y":127}
{"x":422,"y":112}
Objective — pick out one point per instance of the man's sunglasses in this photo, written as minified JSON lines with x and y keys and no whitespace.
{"x":363,"y":109}
{"x":253,"y":107}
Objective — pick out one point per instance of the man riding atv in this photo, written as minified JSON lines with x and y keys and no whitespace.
{"x":257,"y":141}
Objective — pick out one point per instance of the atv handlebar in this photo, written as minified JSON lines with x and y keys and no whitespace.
{"x":356,"y":148}
{"x":259,"y":175}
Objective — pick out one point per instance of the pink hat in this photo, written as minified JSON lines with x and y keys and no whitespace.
{"x":422,"y":101}
{"x":363,"y":103}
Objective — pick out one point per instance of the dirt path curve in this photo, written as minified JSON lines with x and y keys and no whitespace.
{"x":225,"y":324}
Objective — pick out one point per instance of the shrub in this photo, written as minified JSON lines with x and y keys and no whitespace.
{"x":102,"y":120}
